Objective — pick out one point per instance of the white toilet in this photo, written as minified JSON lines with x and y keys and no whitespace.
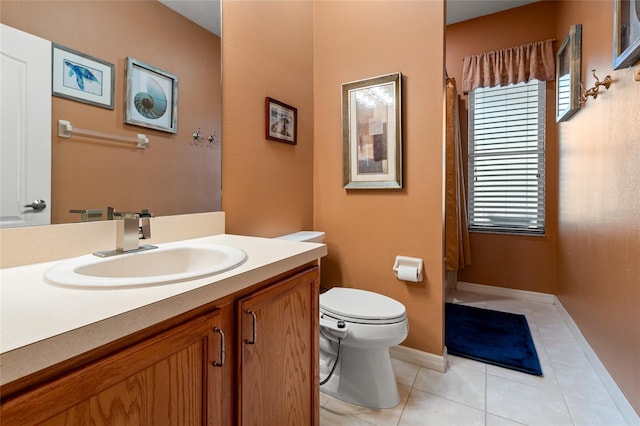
{"x":357,"y":328}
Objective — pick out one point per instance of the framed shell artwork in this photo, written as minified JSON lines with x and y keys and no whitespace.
{"x":151,"y":97}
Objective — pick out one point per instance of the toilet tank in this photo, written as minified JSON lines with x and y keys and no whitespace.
{"x":308,"y":236}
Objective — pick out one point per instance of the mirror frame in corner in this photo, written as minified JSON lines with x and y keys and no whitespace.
{"x":569,"y":60}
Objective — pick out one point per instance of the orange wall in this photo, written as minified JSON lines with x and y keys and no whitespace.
{"x":366,"y":229}
{"x":519,"y":262}
{"x":267,"y":50}
{"x":172,"y":176}
{"x":599,"y":214}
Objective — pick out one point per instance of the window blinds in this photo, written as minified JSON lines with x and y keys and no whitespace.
{"x":506,"y":158}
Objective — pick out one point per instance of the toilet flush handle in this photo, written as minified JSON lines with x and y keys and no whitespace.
{"x":337,"y":328}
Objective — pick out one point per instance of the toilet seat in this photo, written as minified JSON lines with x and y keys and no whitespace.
{"x":361,"y":306}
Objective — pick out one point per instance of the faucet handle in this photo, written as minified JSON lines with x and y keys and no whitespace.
{"x":126,"y":215}
{"x":145,"y":213}
{"x":145,"y":229}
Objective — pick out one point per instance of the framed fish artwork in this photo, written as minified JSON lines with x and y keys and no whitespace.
{"x":151,"y":97}
{"x":81,"y":77}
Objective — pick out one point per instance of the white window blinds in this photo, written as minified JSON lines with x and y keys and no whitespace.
{"x":506,"y":158}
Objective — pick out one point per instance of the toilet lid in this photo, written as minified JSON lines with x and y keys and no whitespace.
{"x":366,"y":306}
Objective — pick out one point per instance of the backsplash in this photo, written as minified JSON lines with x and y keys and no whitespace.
{"x":24,"y":246}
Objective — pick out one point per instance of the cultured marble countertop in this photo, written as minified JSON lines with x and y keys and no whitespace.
{"x":42,"y":324}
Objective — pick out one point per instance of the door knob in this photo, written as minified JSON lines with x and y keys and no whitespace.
{"x":37,"y":205}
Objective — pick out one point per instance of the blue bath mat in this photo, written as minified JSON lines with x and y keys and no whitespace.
{"x":497,"y":338}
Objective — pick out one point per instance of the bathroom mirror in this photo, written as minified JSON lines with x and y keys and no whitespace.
{"x":177,"y":173}
{"x":568,"y":74}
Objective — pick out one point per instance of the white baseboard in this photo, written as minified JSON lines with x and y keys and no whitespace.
{"x":629,"y":414}
{"x":420,"y":358}
{"x":507,"y":292}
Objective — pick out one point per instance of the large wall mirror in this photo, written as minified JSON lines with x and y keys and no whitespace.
{"x":568,"y":74}
{"x":175,"y":174}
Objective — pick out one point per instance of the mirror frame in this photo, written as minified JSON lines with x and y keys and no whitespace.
{"x":570,"y":52}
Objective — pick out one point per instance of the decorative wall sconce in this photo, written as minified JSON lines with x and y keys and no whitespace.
{"x":594,"y":90}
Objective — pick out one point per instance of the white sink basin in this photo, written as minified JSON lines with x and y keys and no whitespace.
{"x":166,"y":264}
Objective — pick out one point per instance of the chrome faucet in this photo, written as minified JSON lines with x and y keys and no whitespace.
{"x":129,"y":231}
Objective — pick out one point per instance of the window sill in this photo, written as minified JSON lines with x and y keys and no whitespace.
{"x":512,"y":232}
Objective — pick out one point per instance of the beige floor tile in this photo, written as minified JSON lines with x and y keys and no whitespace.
{"x":330,"y":418}
{"x":584,"y":384}
{"x":459,"y":384}
{"x":493,"y":420}
{"x":426,"y":409}
{"x":588,"y":413}
{"x":526,"y":404}
{"x":405,"y":372}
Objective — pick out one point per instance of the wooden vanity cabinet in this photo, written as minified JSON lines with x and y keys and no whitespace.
{"x":278,"y":355}
{"x":168,"y":379}
{"x":169,"y":374}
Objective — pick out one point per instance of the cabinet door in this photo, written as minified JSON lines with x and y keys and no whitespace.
{"x":169,"y":379}
{"x":278,"y":381}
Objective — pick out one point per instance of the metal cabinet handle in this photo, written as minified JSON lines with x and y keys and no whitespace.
{"x":255,"y":326}
{"x":222,"y":348}
{"x":37,"y":205}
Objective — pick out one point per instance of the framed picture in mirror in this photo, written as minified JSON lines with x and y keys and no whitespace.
{"x":626,"y":33}
{"x":81,"y":78}
{"x":372,"y":133}
{"x":568,"y":74}
{"x":151,"y":97}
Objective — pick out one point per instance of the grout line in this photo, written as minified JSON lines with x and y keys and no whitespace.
{"x":405,"y":405}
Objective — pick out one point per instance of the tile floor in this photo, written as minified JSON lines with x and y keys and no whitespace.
{"x":473,"y":393}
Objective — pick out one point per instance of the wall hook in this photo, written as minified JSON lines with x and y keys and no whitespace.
{"x":212,"y":139}
{"x":197,"y":137}
{"x":594,"y":90}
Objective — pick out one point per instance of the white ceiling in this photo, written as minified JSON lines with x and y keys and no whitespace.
{"x":206,"y":13}
{"x":462,"y":10}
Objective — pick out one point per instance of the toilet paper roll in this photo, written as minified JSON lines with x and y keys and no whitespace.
{"x":407,"y":273}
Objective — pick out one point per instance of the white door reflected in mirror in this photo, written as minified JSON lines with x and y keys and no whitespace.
{"x":25,"y":138}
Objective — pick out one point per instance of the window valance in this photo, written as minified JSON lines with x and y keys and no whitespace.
{"x":509,"y":66}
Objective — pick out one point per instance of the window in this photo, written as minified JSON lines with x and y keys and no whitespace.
{"x":506,"y":158}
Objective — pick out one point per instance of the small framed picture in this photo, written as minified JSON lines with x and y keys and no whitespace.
{"x":81,"y":78}
{"x":626,"y":33}
{"x":281,"y":122}
{"x":372,"y":133}
{"x":151,"y":97}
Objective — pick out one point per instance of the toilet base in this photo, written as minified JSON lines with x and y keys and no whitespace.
{"x":363,"y":377}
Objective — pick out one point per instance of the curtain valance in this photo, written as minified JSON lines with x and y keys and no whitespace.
{"x":509,"y":66}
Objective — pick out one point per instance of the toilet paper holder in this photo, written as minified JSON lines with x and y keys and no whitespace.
{"x":408,"y":262}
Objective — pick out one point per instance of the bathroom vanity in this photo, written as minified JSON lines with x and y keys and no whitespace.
{"x":240,"y":347}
